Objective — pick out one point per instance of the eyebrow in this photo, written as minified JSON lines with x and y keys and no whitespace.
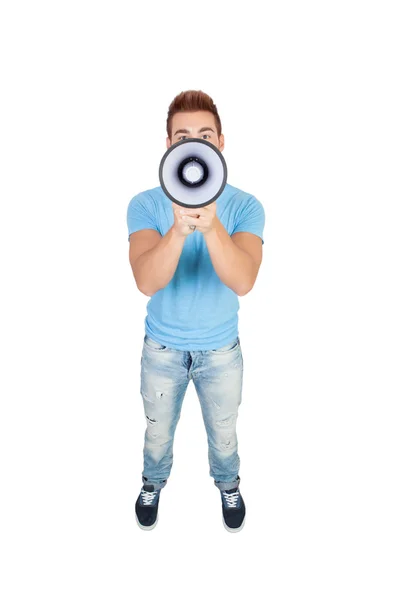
{"x":200,"y":130}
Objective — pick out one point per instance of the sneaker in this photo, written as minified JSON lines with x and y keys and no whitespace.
{"x":233,"y":509}
{"x":147,"y":507}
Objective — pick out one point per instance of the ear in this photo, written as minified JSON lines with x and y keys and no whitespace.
{"x":168,"y":142}
{"x":221,"y":142}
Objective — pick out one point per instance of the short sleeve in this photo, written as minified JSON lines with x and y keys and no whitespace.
{"x":140,"y":215}
{"x":251,"y":218}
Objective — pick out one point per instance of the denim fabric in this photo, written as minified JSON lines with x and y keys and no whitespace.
{"x":217,"y":376}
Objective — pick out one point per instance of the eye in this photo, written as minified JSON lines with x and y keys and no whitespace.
{"x":205,"y":136}
{"x":182,"y":137}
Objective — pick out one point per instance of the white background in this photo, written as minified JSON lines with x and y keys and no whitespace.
{"x":310,"y":96}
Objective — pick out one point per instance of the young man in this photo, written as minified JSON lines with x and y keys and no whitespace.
{"x":193,"y":263}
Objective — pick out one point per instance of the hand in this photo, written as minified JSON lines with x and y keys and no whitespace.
{"x":204,"y":219}
{"x":180,"y":226}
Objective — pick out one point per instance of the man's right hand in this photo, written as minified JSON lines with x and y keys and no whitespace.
{"x":180,"y":227}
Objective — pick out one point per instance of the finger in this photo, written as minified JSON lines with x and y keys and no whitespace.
{"x":191,"y":220}
{"x":190,"y":213}
{"x":198,"y":209}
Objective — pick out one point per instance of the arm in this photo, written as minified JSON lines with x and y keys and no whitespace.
{"x":154,"y":258}
{"x":236,"y":259}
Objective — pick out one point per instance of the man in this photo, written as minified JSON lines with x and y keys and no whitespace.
{"x":193,"y":263}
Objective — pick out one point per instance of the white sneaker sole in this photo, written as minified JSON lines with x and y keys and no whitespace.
{"x":232,"y":529}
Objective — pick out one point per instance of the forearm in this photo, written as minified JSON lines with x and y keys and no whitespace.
{"x":156,"y":267}
{"x":232,"y":265}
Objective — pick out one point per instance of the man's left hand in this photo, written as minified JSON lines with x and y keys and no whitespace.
{"x":204,"y":219}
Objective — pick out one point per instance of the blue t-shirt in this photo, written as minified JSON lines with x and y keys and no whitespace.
{"x":196,"y":310}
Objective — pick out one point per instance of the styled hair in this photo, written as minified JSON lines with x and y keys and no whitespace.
{"x":191,"y":101}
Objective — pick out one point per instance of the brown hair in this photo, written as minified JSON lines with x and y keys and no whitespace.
{"x":189,"y":101}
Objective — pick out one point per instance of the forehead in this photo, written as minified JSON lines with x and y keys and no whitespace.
{"x":193,"y":120}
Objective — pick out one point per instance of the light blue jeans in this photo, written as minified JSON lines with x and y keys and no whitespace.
{"x":217,"y":376}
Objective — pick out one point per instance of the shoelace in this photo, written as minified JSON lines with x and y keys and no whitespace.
{"x":231,"y":499}
{"x":147,"y":497}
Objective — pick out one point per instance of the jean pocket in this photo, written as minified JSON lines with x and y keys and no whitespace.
{"x":228,"y":347}
{"x":153,"y":345}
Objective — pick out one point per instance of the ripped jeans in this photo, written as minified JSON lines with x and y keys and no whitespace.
{"x":217,"y":376}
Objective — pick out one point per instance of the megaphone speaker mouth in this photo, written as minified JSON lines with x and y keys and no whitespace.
{"x":193,"y":173}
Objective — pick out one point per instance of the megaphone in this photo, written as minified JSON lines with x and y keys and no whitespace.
{"x":193,"y":173}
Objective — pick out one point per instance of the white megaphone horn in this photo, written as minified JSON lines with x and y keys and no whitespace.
{"x":193,"y":173}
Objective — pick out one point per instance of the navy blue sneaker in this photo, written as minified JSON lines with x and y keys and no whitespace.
{"x":147,"y":507}
{"x":233,"y":509}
